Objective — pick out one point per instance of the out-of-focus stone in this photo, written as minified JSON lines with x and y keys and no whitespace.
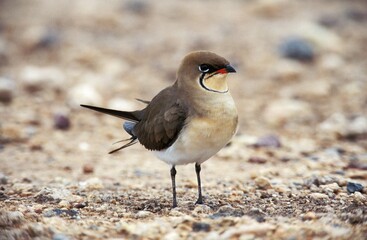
{"x":92,"y":184}
{"x":263,"y":183}
{"x":281,"y":111}
{"x":7,"y":90}
{"x":88,"y":168}
{"x":40,"y":37}
{"x":144,"y":214}
{"x":323,"y":38}
{"x":84,"y":93}
{"x":319,"y":196}
{"x":268,"y":141}
{"x":288,"y":70}
{"x":309,"y":216}
{"x":53,"y":194}
{"x":257,"y":229}
{"x":37,"y":78}
{"x":3,"y":178}
{"x":353,"y":187}
{"x":340,"y":125}
{"x":64,"y":204}
{"x":334,"y":187}
{"x":331,"y":62}
{"x":61,"y":121}
{"x":269,"y":8}
{"x":297,"y":48}
{"x":359,"y":197}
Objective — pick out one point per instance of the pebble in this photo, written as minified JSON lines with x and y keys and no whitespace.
{"x":200,"y":227}
{"x":257,"y":160}
{"x":64,"y":204}
{"x":7,"y":90}
{"x":353,"y":187}
{"x":271,"y":141}
{"x":297,"y":48}
{"x":59,"y":236}
{"x":40,"y":37}
{"x":38,"y":78}
{"x":263,"y":183}
{"x":88,"y":168}
{"x":334,"y":187}
{"x":11,"y":218}
{"x":288,"y":70}
{"x":92,"y":184}
{"x":309,"y":216}
{"x":3,"y":178}
{"x":53,"y":194}
{"x":61,"y":121}
{"x":319,"y":196}
{"x":341,"y":125}
{"x":281,"y":111}
{"x":359,"y":197}
{"x":84,"y":93}
{"x":227,"y":211}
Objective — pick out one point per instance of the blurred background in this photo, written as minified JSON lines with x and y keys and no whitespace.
{"x":302,"y":71}
{"x":301,"y":82}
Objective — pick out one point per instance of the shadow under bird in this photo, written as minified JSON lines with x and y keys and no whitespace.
{"x":189,"y":121}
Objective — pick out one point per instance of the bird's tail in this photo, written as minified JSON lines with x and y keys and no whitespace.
{"x":131,"y":116}
{"x":133,"y":140}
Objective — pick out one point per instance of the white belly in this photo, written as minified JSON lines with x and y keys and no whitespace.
{"x":201,"y":138}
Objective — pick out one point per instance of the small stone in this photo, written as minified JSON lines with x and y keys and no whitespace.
{"x":40,"y":37}
{"x":257,"y":160}
{"x":359,"y":197}
{"x":334,"y":187}
{"x":144,"y":214}
{"x":84,"y":93}
{"x":288,"y":70}
{"x":200,"y":227}
{"x":61,"y":212}
{"x":59,"y":236}
{"x":297,"y":48}
{"x":61,"y":121}
{"x":88,"y":168}
{"x":263,"y":183}
{"x":3,"y":178}
{"x":64,"y":204}
{"x":227,"y":211}
{"x":268,"y":141}
{"x":319,"y":196}
{"x":282,"y":111}
{"x":7,"y":90}
{"x":202,"y":209}
{"x":80,"y":205}
{"x":52,"y":195}
{"x":354,"y":187}
{"x":37,"y":78}
{"x":92,"y":184}
{"x":309,"y":216}
{"x":139,"y":7}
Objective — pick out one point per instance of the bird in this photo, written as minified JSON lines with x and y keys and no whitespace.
{"x":187,"y":122}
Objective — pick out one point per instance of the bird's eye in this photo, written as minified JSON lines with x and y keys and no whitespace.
{"x":204,"y":68}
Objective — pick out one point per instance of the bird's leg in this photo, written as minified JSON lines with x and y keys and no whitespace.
{"x":173,"y":178}
{"x":197,"y":170}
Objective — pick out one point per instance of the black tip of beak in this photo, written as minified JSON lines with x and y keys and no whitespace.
{"x":230,"y":69}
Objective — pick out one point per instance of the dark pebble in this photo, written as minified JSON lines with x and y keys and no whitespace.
{"x":297,"y":48}
{"x":356,"y":15}
{"x":268,"y":141}
{"x":257,"y":160}
{"x":3,"y":179}
{"x":200,"y":227}
{"x":80,"y":205}
{"x":354,"y":187}
{"x":88,"y":168}
{"x":49,"y":39}
{"x":137,"y":7}
{"x":61,"y":212}
{"x":61,"y":122}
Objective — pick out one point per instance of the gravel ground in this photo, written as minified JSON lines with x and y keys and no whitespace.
{"x":297,"y":168}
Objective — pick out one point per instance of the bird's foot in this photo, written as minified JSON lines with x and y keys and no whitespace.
{"x":199,"y":201}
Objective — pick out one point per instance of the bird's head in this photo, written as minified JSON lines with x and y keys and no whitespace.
{"x":204,"y":70}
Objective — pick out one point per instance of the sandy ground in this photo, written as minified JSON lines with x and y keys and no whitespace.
{"x":297,"y":168}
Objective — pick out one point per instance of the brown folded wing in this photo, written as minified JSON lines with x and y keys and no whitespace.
{"x":161,"y":121}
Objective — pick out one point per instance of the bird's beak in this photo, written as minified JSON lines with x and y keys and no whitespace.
{"x":226,"y":69}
